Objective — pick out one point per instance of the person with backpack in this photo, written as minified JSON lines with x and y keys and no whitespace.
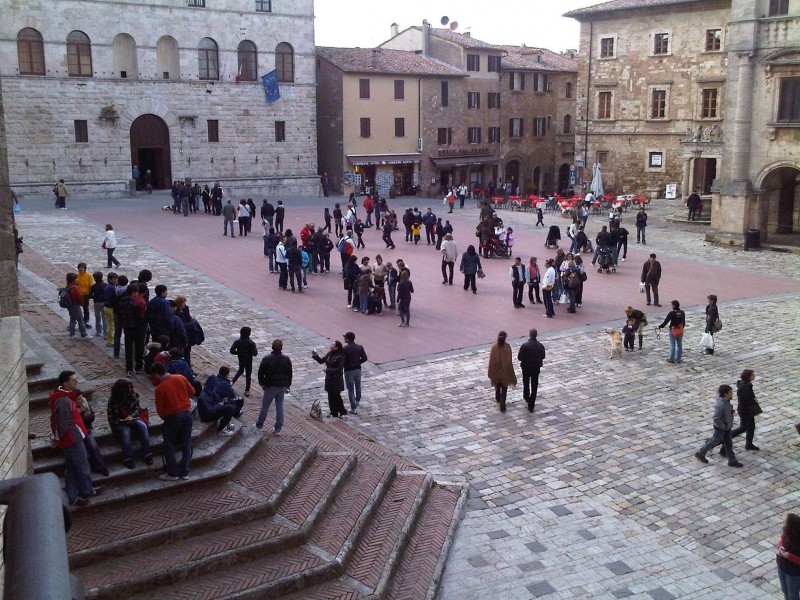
{"x":131,"y":316}
{"x":71,"y":298}
{"x":194,"y":333}
{"x":345,"y":248}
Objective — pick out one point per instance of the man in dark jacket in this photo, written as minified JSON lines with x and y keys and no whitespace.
{"x":429,"y":220}
{"x":354,"y":357}
{"x":218,"y":402}
{"x":294,"y":260}
{"x":280,"y":211}
{"x":531,"y":355}
{"x":651,"y":275}
{"x":159,"y":314}
{"x":693,"y":203}
{"x":267,"y":212}
{"x":603,"y":240}
{"x":275,"y":378}
{"x":641,"y":226}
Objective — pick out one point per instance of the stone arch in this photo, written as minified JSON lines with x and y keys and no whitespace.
{"x":780,"y":199}
{"x":126,"y":64}
{"x":758,"y":180}
{"x":167,"y":57}
{"x":150,"y":149}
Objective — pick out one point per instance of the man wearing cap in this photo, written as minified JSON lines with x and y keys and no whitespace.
{"x":354,"y":356}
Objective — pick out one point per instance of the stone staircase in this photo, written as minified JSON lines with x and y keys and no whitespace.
{"x":320,"y":512}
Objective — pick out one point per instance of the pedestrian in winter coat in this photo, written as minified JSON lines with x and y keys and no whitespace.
{"x":501,"y":369}
{"x":747,"y":407}
{"x":723,"y":423}
{"x":334,"y":377}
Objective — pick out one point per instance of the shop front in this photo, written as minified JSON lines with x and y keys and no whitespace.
{"x":474,"y":169}
{"x":388,"y":175}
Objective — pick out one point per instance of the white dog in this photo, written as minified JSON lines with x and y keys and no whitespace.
{"x":616,"y":343}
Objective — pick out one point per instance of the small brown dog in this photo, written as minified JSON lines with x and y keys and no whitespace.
{"x":616,"y":343}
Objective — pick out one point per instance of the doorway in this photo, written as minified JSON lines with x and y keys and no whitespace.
{"x":536,"y":181}
{"x":512,"y":175}
{"x":705,"y":172}
{"x":563,"y":179}
{"x":150,"y":149}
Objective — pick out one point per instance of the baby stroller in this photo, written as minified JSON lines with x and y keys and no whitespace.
{"x":553,"y":237}
{"x":604,"y":261}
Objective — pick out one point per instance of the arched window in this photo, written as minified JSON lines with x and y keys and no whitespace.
{"x":169,"y":67}
{"x":79,"y":55}
{"x":248,"y":61}
{"x":30,"y":50}
{"x":125,"y":61}
{"x":567,"y":124}
{"x":208,"y":57}
{"x":284,"y":62}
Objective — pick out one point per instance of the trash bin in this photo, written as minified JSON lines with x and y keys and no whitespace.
{"x":752,"y":239}
{"x":131,"y":187}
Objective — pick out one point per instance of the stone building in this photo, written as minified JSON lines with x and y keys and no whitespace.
{"x":91,"y":88}
{"x":705,"y":94}
{"x":538,"y":118}
{"x":369,"y":117}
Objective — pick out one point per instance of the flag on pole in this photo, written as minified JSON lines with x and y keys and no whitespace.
{"x":271,"y":90}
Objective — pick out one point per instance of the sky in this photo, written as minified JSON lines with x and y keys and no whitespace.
{"x":366,"y":23}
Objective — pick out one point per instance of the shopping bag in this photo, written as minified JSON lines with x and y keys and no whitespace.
{"x":707,"y":341}
{"x":564,"y":298}
{"x":641,"y":288}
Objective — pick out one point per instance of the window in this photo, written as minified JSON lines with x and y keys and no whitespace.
{"x":445,"y":93}
{"x":445,"y":136}
{"x":604,"y":105}
{"x":473,"y":62}
{"x":213,"y":130}
{"x":399,"y":89}
{"x":79,"y":55}
{"x":280,"y":131}
{"x":125,"y":63}
{"x":30,"y":52}
{"x":655,"y":160}
{"x":606,"y":47}
{"x":516,"y":127}
{"x":208,"y":59}
{"x":789,"y":100}
{"x":167,"y":57}
{"x":248,"y":61}
{"x":709,"y":107}
{"x":602,"y":156}
{"x":474,"y":135}
{"x":263,"y":5}
{"x":778,"y":8}
{"x":567,"y":124}
{"x":366,"y":127}
{"x":568,"y":90}
{"x":494,"y":99}
{"x":284,"y":62}
{"x":399,"y":127}
{"x":82,"y":132}
{"x":658,"y":104}
{"x":494,"y":64}
{"x":713,"y":40}
{"x":363,"y":89}
{"x":539,"y":126}
{"x":661,"y":44}
{"x":473,"y":99}
{"x":494,"y":135}
{"x":516,"y":81}
{"x":197,"y":3}
{"x":539,"y":82}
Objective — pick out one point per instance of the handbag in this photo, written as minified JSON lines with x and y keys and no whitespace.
{"x":707,"y":341}
{"x":717,"y":326}
{"x":144,"y":416}
{"x":481,"y":274}
{"x":103,"y":245}
{"x":677,"y":331}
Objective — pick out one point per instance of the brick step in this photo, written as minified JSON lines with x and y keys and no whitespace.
{"x":98,"y":533}
{"x":419,"y":573}
{"x":39,"y":391}
{"x":214,"y":552}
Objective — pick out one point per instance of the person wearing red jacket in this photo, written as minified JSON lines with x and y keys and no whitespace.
{"x":68,"y":433}
{"x":75,"y":308}
{"x":174,"y":406}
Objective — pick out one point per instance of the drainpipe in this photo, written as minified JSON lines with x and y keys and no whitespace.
{"x":588,"y":100}
{"x":420,"y":179}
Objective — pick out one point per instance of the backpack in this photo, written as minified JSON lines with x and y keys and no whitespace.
{"x":582,"y":275}
{"x":63,"y":298}
{"x":195,"y":333}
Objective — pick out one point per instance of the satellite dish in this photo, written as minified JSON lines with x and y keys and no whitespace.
{"x":444,"y":20}
{"x":454,"y":25}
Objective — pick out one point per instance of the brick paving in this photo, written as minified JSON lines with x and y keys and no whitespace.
{"x":597,"y":493}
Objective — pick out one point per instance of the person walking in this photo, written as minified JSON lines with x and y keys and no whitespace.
{"x":693,"y":203}
{"x":501,"y":369}
{"x":470,"y":265}
{"x":651,"y":276}
{"x":173,"y":405}
{"x":74,"y":301}
{"x":519,"y":276}
{"x":354,"y":357}
{"x":641,"y":226}
{"x":531,"y":355}
{"x":676,"y":319}
{"x":723,"y":423}
{"x":404,"y":290}
{"x":548,"y":285}
{"x":449,"y":255}
{"x":334,"y":377}
{"x":275,"y":378}
{"x":244,"y":349}
{"x":788,"y":558}
{"x":748,"y":409}
{"x":713,"y":323}
{"x":61,"y":192}
{"x":229,"y":215}
{"x":110,"y":244}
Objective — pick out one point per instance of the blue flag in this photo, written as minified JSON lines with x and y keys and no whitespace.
{"x":270,"y":81}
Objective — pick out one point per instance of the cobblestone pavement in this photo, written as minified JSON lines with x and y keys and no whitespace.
{"x":597,"y":494}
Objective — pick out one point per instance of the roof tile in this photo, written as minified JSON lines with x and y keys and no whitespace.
{"x":618,"y":5}
{"x":524,"y":58}
{"x":382,"y":60}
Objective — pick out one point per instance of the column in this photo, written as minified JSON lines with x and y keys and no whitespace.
{"x":686,"y":183}
{"x":742,"y":120}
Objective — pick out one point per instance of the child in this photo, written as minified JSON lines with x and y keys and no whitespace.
{"x":415,"y":229}
{"x":358,"y":228}
{"x":85,"y":283}
{"x":109,"y":291}
{"x":539,"y":217}
{"x":306,"y":264}
{"x":375,"y":301}
{"x":510,"y":239}
{"x":629,"y":332}
{"x":99,"y":295}
{"x":244,"y":349}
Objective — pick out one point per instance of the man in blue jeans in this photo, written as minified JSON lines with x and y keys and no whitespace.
{"x":174,"y":406}
{"x":723,"y":423}
{"x":275,"y":378}
{"x":354,"y":357}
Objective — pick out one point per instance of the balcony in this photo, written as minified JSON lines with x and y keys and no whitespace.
{"x":778,"y":31}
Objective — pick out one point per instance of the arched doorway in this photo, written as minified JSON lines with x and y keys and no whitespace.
{"x":512,"y":174}
{"x":536,"y":181}
{"x":150,"y":149}
{"x":782,"y":192}
{"x":563,"y":178}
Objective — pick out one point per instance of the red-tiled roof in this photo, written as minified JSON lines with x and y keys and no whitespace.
{"x":618,"y":5}
{"x":461,"y":39}
{"x":381,"y":60}
{"x":524,"y":58}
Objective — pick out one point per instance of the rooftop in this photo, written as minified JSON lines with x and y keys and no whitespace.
{"x":525,"y":58}
{"x":389,"y":62}
{"x":619,"y":5}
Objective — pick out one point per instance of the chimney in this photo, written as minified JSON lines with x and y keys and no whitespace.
{"x":394,"y":30}
{"x":376,"y":53}
{"x":426,"y":34}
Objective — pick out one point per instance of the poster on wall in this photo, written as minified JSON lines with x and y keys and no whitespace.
{"x":347,"y":178}
{"x":384,"y":180}
{"x":672,"y":191}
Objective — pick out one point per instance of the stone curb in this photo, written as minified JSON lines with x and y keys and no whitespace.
{"x":434,"y":591}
